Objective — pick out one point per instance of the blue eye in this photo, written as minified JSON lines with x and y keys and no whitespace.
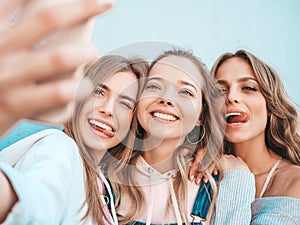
{"x":186,"y":92}
{"x":99,"y":91}
{"x":153,"y":86}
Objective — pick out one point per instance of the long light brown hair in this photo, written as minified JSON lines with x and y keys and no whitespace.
{"x":102,"y":69}
{"x":212,"y":141}
{"x":282,"y":130}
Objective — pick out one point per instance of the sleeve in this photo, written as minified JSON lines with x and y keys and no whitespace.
{"x":236,"y":193}
{"x":42,"y":180}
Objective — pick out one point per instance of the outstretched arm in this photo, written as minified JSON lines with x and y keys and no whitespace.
{"x":28,"y":84}
{"x":7,"y":195}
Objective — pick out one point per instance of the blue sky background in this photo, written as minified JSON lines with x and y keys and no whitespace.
{"x":269,"y":29}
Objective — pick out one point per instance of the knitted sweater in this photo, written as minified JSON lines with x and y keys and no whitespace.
{"x":276,"y":211}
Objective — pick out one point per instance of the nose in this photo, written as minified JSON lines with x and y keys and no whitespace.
{"x":232,"y":97}
{"x":166,"y":97}
{"x":165,"y":102}
{"x":106,"y":107}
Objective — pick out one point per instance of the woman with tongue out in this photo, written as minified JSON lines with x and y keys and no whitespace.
{"x":175,"y":113}
{"x":55,"y":179}
{"x":262,"y":128}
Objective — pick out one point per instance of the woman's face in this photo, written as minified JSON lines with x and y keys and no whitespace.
{"x":106,"y":117}
{"x":246,"y":110}
{"x":171,"y":103}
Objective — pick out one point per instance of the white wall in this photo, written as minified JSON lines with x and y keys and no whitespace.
{"x":268,"y":28}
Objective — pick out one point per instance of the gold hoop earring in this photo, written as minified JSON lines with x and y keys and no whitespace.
{"x":198,"y":141}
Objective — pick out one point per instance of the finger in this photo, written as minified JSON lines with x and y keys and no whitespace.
{"x":7,"y":10}
{"x":205,"y":179}
{"x":216,"y":171}
{"x":49,"y":20}
{"x":32,"y":100}
{"x":194,"y":170}
{"x":44,"y":64}
{"x":200,"y":177}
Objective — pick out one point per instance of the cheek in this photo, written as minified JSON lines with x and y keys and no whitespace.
{"x":124,"y":118}
{"x":190,"y":114}
{"x":142,"y":112}
{"x":191,"y":109}
{"x":260,"y":107}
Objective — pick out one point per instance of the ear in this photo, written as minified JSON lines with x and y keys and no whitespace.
{"x":198,"y":123}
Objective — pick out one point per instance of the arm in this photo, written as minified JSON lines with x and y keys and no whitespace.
{"x":236,"y":193}
{"x":7,"y":195}
{"x":42,"y":181}
{"x":22,"y":68}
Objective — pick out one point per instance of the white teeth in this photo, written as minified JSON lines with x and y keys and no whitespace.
{"x":164,"y":116}
{"x":99,"y":124}
{"x":233,"y":114}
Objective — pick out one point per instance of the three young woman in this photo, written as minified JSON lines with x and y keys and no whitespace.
{"x":147,"y":167}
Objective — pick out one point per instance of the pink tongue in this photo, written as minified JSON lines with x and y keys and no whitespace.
{"x":106,"y":132}
{"x":237,"y":119}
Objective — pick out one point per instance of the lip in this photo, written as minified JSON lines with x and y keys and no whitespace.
{"x":102,"y":128}
{"x":164,"y":116}
{"x":238,"y":112}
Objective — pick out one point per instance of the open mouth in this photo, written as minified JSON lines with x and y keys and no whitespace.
{"x":164,"y":116}
{"x":102,"y":127}
{"x":236,"y":117}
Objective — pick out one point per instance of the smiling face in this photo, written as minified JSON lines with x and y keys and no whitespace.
{"x":246,"y":110}
{"x":170,"y":105}
{"x":106,"y":116}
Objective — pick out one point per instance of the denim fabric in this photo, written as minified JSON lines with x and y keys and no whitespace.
{"x":202,"y":201}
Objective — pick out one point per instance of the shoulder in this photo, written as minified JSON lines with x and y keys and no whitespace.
{"x":50,"y":144}
{"x":293,"y":186}
{"x":287,"y":181}
{"x":58,"y":144}
{"x":56,"y":138}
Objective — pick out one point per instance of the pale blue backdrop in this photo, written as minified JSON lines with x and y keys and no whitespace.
{"x":269,"y":29}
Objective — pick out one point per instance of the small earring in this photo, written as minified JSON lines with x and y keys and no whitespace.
{"x":202,"y":136}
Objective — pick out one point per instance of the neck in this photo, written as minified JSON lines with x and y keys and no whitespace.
{"x":160,"y":156}
{"x":256,"y":155}
{"x":98,"y":154}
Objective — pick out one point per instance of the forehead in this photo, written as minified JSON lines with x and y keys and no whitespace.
{"x":120,"y":82}
{"x":176,"y":68}
{"x":235,"y":68}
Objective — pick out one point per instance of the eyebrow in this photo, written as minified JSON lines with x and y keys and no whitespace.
{"x":240,"y":80}
{"x":121,"y":96}
{"x":181,"y":82}
{"x":189,"y":84}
